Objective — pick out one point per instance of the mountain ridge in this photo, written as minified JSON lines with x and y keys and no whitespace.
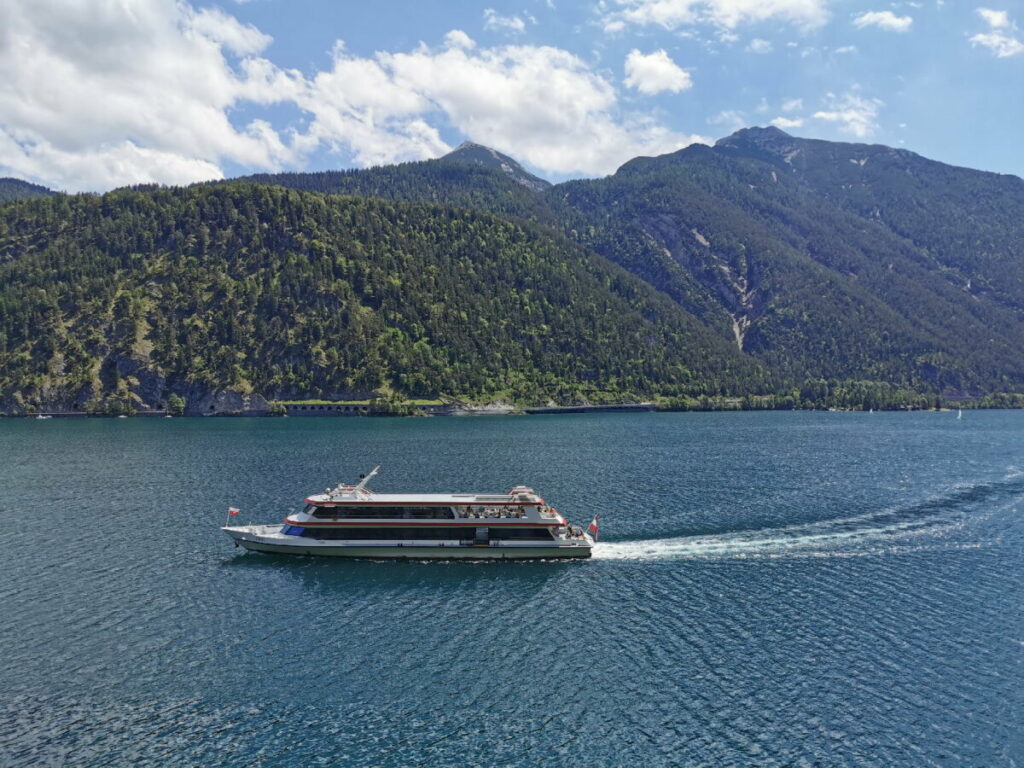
{"x":792,"y":269}
{"x":12,"y":189}
{"x":753,"y":218}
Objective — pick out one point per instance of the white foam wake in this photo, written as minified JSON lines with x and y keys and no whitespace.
{"x":829,"y":536}
{"x":932,"y":516}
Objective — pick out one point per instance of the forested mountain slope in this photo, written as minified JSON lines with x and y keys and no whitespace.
{"x":971,"y":223}
{"x":458,"y":179}
{"x":120,"y":300}
{"x":766,"y":263}
{"x":16,"y":189}
{"x":809,"y":286}
{"x":819,"y":259}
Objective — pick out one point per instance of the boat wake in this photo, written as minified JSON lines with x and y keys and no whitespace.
{"x":935,"y":517}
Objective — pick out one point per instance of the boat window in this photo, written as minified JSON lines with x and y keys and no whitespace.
{"x":535,"y":534}
{"x":379,"y":513}
{"x":434,"y":533}
{"x":328,"y":512}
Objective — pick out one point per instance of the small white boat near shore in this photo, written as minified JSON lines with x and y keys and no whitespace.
{"x":353,"y":521}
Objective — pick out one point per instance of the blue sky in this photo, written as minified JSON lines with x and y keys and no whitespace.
{"x":115,"y":92}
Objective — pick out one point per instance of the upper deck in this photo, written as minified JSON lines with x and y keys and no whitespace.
{"x":367,"y":498}
{"x":348,"y":504}
{"x":360,"y":495}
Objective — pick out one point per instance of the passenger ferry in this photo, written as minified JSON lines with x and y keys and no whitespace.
{"x":353,"y":521}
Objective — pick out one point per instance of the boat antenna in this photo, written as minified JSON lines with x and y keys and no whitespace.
{"x":361,"y":485}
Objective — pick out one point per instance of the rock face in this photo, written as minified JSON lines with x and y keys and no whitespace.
{"x":228,"y":403}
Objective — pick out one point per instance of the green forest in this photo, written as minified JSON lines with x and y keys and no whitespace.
{"x":126,"y":298}
{"x":764,"y":272}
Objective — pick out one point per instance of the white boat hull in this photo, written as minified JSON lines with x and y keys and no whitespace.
{"x":269,"y":539}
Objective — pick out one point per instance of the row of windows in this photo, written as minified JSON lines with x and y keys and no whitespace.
{"x":389,"y":533}
{"x":377,"y":513}
{"x":400,"y":534}
{"x":541,"y":534}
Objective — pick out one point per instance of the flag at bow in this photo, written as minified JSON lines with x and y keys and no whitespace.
{"x":233,"y":511}
{"x":592,"y":528}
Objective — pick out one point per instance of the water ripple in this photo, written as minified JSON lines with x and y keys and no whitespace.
{"x":775,"y":590}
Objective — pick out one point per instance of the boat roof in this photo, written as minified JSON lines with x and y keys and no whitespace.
{"x":360,"y":495}
{"x":367,"y":498}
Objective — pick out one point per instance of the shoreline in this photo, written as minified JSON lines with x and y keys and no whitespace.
{"x":322,"y":412}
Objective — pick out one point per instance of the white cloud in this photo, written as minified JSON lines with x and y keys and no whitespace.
{"x":995,"y":19}
{"x":135,"y":91}
{"x":886,"y":20}
{"x":786,"y":123}
{"x":730,"y":119}
{"x":103,"y":167}
{"x":853,"y":113}
{"x":494,"y":21}
{"x":1002,"y":39}
{"x":242,"y":39}
{"x":671,"y":14}
{"x":1001,"y":45}
{"x":844,"y":49}
{"x":655,"y":72}
{"x":459,"y":39}
{"x":360,"y":109}
{"x":757,"y":45}
{"x":792,"y":105}
{"x":538,"y":103}
{"x":99,"y":95}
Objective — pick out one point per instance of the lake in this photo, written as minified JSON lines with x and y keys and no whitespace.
{"x":771,"y":589}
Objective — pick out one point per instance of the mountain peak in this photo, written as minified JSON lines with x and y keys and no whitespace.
{"x":757,"y":133}
{"x":470,"y":153}
{"x":768,"y":139}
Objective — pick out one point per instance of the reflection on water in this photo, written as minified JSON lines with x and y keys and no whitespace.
{"x":343,"y":573}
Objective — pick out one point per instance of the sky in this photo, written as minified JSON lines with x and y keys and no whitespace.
{"x":96,"y":94}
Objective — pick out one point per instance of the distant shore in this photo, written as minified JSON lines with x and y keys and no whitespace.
{"x":358,"y":410}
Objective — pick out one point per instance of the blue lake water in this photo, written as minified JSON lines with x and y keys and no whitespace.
{"x":771,"y":589}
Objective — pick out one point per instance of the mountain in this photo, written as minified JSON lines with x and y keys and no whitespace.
{"x":969,"y":221}
{"x":16,"y":189}
{"x":117,"y":302}
{"x":820,"y":273}
{"x":442,"y":181}
{"x":821,"y":260}
{"x":469,"y":153}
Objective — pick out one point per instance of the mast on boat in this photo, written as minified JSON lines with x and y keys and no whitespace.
{"x":361,"y":485}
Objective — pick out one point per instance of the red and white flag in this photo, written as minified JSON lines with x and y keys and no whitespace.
{"x":592,"y":528}
{"x":233,"y":510}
